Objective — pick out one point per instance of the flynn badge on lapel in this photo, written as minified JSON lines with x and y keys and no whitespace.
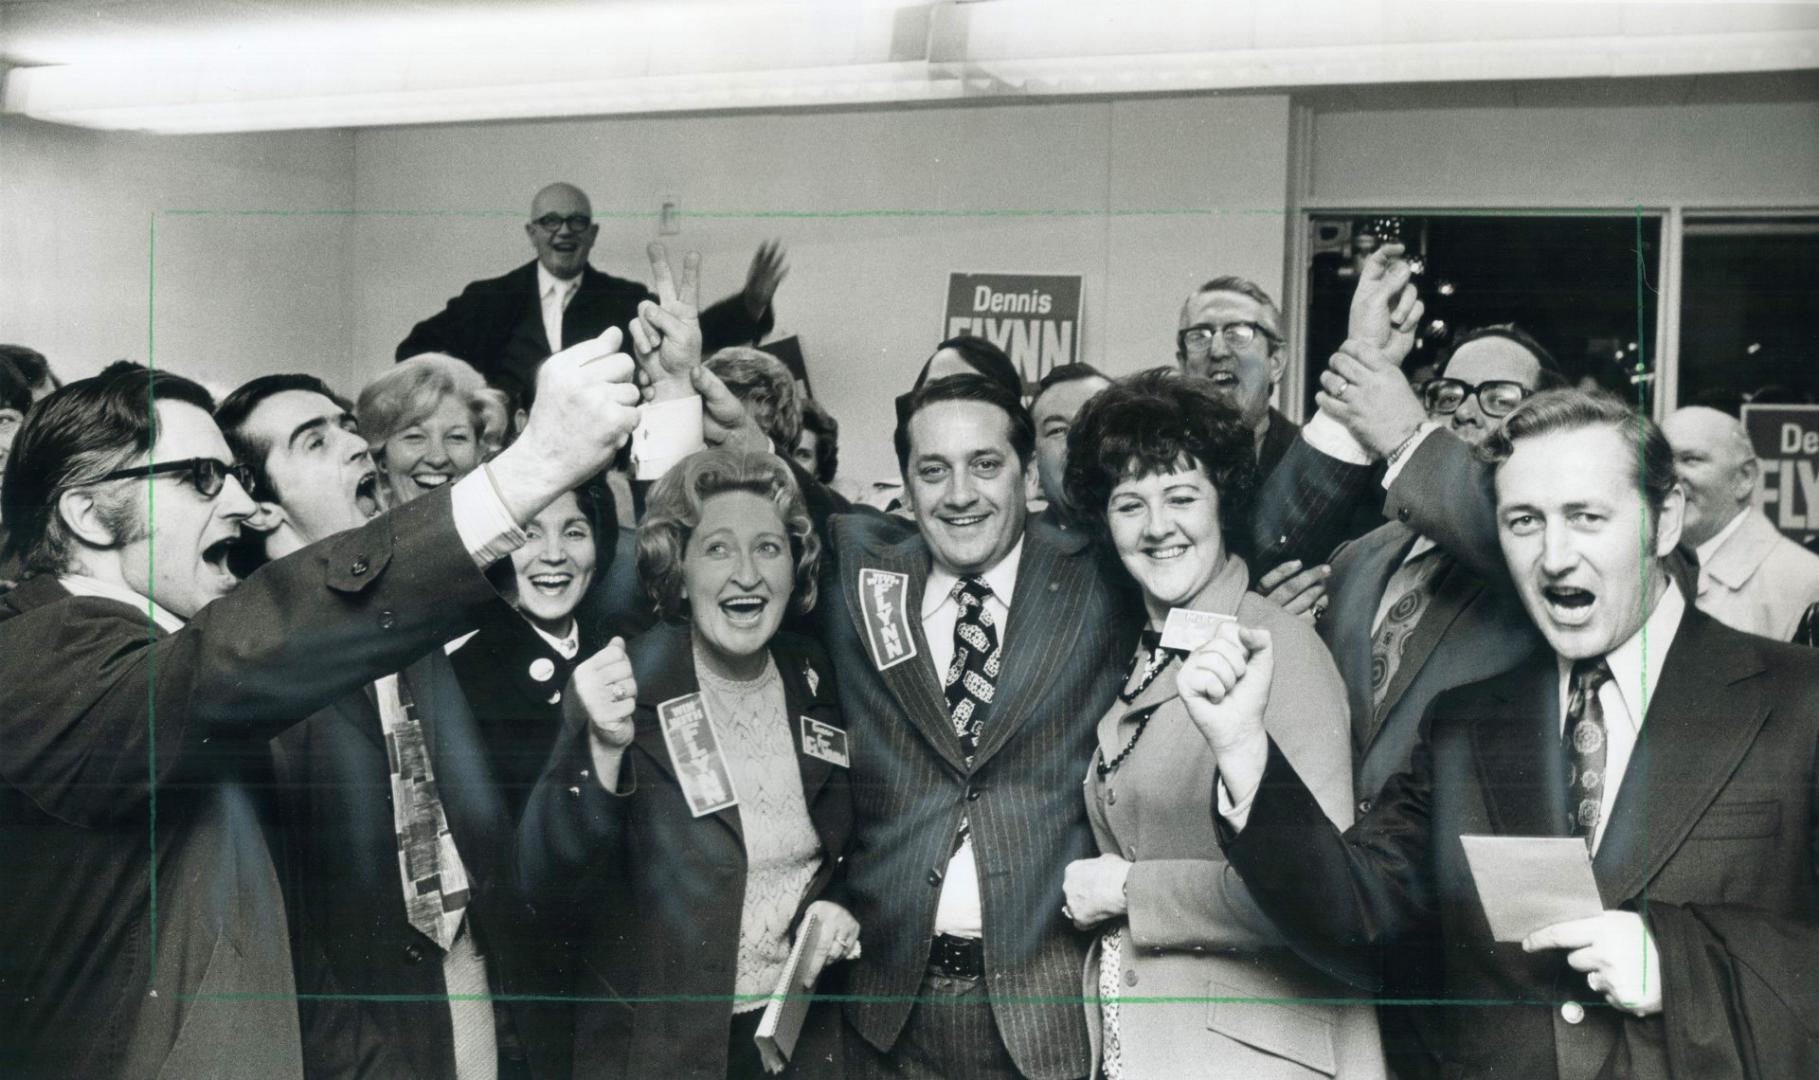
{"x":824,"y":741}
{"x":884,"y":597}
{"x":694,"y":748}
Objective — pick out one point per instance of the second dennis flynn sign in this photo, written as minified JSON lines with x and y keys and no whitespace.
{"x":1786,"y":440}
{"x":1034,"y":318}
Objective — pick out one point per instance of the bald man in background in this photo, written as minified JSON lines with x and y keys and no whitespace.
{"x":506,"y":326}
{"x":1751,"y":577}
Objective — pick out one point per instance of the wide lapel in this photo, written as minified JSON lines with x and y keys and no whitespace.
{"x":1353,"y":611}
{"x":1516,"y":746}
{"x":1699,"y":725}
{"x":913,"y":682}
{"x":799,"y":701}
{"x":663,"y":662}
{"x":1457,"y":588}
{"x":1054,"y":586}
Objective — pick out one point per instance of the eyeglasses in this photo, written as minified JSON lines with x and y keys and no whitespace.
{"x":1496,"y":397}
{"x":1199,"y":338}
{"x":205,"y":474}
{"x":552,"y":223}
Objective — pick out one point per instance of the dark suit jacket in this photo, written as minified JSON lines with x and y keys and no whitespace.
{"x":1278,"y":436}
{"x":352,"y":935}
{"x":101,"y":713}
{"x":518,"y":714}
{"x":664,"y":889}
{"x":497,"y":324}
{"x":1712,"y":838}
{"x":1069,"y":637}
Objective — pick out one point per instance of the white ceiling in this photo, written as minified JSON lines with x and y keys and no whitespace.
{"x":234,"y":65}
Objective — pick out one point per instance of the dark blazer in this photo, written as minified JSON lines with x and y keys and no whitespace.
{"x":105,"y":718}
{"x":1070,"y":634}
{"x":514,"y":682}
{"x":353,"y":942}
{"x":496,"y":324}
{"x":1278,"y":436}
{"x":665,"y":889}
{"x":1309,"y":503}
{"x":1713,"y":838}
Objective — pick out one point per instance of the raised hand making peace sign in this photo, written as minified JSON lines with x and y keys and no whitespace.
{"x":666,"y":336}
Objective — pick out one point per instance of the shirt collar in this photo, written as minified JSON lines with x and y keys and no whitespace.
{"x":568,"y":644}
{"x":1710,"y":548}
{"x":83,"y":585}
{"x":1002,"y":578}
{"x":1633,"y":680}
{"x":548,"y":282}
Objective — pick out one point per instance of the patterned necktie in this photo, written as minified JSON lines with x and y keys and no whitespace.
{"x":972,"y":676}
{"x":434,"y":879}
{"x":1413,"y":587}
{"x":1585,"y":747}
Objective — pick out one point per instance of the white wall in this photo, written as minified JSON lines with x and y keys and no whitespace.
{"x":1570,"y":154}
{"x":1145,"y":198}
{"x":220,"y":294}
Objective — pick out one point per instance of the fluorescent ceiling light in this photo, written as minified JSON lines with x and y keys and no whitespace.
{"x":363,"y":62}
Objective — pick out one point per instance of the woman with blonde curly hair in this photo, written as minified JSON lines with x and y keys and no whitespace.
{"x":718,"y":813}
{"x":430,"y":420}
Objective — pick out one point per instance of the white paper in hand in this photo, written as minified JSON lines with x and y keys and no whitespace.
{"x":1187,"y":629}
{"x":1527,"y":883}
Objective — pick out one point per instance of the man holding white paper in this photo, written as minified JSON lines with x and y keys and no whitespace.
{"x":1682,"y":753}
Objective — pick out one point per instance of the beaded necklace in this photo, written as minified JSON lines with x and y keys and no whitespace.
{"x":1158,"y":662}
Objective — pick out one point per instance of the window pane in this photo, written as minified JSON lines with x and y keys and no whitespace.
{"x":1570,"y":281}
{"x":1749,"y":313}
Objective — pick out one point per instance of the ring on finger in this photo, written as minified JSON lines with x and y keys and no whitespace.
{"x":1343,"y":387}
{"x":618,"y":691}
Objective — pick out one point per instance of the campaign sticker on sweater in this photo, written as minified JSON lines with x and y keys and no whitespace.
{"x":824,"y":741}
{"x":694,"y":748}
{"x":884,"y":598}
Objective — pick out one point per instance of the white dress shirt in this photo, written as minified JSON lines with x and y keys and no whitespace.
{"x":553,"y":295}
{"x":1625,"y":697}
{"x":957,"y":911}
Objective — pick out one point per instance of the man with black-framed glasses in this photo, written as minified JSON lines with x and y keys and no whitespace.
{"x":506,"y":326}
{"x":1231,"y":333}
{"x":144,"y":933}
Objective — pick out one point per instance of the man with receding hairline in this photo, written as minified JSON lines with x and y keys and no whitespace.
{"x":1750,"y":576}
{"x":506,"y":326}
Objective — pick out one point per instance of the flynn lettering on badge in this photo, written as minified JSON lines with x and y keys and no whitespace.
{"x":884,"y":598}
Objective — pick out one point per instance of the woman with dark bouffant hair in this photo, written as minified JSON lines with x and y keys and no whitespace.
{"x":719,"y":809}
{"x":1163,"y":469}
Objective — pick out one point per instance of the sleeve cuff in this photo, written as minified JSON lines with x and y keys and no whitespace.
{"x":668,"y":431}
{"x":1406,"y":451}
{"x":1235,"y":814}
{"x":484,"y":524}
{"x":1331,"y":438}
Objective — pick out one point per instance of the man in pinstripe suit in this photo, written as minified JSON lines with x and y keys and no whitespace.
{"x":964,"y":831}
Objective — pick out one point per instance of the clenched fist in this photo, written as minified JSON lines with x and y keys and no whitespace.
{"x":606,"y":691}
{"x":1225,"y":685}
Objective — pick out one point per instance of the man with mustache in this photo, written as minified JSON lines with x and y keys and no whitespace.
{"x":140,"y":682}
{"x":505,"y":326}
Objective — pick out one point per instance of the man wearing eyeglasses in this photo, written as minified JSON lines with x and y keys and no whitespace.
{"x":1231,"y":333}
{"x":506,"y":326}
{"x":144,"y":933}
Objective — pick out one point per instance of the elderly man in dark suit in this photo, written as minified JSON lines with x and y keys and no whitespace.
{"x":1690,"y":779}
{"x":144,"y":934}
{"x":1231,"y":333}
{"x":506,"y":326}
{"x":370,"y":971}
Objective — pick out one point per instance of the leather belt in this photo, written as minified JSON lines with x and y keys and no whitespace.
{"x":958,"y":957}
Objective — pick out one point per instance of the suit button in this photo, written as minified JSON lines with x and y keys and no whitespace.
{"x":1572,"y":1012}
{"x":934,"y":877}
{"x":1130,"y":977}
{"x":360,"y":566}
{"x":1111,"y":797}
{"x":1197,"y":948}
{"x":1402,"y":515}
{"x":413,"y":953}
{"x":972,"y":794}
{"x":387,"y":619}
{"x":1364,"y":806}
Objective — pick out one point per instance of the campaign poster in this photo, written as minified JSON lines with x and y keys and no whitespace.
{"x":1786,"y":438}
{"x":1034,"y":318}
